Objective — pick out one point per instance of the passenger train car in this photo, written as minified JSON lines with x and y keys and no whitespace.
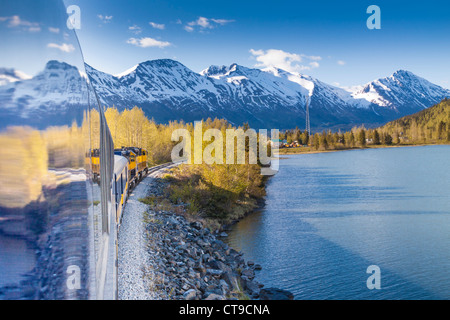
{"x":130,"y":167}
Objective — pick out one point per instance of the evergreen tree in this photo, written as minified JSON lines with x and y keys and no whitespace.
{"x":324,"y":141}
{"x":362,"y":137}
{"x":376,"y":137}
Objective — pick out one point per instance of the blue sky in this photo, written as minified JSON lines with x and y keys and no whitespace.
{"x":328,"y":40}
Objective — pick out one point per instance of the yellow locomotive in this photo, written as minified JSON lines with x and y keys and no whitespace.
{"x":137,"y":163}
{"x":137,"y":158}
{"x":130,"y":166}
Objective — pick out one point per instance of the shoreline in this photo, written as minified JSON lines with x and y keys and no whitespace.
{"x":188,"y":262}
{"x":297,"y":149}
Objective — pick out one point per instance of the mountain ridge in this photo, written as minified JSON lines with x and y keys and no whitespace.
{"x":265,"y":98}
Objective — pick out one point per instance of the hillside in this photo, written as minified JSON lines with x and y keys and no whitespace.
{"x":427,"y":126}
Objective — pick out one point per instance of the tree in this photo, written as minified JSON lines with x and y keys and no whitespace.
{"x":441,"y":130}
{"x":316,"y":141}
{"x":362,"y":137}
{"x":305,"y":137}
{"x":376,"y":137}
{"x":324,"y":141}
{"x":387,"y":139}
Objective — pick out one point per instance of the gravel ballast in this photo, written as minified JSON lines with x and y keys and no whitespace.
{"x":163,"y":256}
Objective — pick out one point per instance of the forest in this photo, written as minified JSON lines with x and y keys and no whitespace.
{"x":429,"y":126}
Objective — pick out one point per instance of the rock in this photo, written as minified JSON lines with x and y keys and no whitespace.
{"x":275,"y":294}
{"x":251,"y":287}
{"x":213,"y":296}
{"x":191,"y":294}
{"x":206,"y":257}
{"x":232,"y":280}
{"x":258,"y":267}
{"x":248,"y":273}
{"x":196,"y":225}
{"x":193,"y":263}
{"x":214,"y":272}
{"x":215,"y":264}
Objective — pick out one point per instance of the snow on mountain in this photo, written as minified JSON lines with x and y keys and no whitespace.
{"x":52,"y":97}
{"x":8,"y":75}
{"x":402,"y":90}
{"x":58,"y":85}
{"x":167,"y":90}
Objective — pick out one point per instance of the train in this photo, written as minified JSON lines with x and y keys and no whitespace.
{"x":130,"y":167}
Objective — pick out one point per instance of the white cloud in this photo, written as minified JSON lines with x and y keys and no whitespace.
{"x":291,"y":62}
{"x":205,"y":23}
{"x":105,"y":19}
{"x":202,"y":22}
{"x":63,"y":47}
{"x":16,"y":22}
{"x":313,"y":57}
{"x":135,"y":29}
{"x":222,"y":21}
{"x":148,"y":42}
{"x":157,"y":25}
{"x":340,"y":62}
{"x":34,"y":29}
{"x":54,"y":30}
{"x":314,"y":64}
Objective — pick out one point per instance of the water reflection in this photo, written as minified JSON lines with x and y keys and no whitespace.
{"x":50,"y":209}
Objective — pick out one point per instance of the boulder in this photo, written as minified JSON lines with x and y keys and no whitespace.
{"x":275,"y":294}
{"x":213,"y":296}
{"x":251,"y":287}
{"x":197,"y":225}
{"x":190,"y":294}
{"x":248,"y":273}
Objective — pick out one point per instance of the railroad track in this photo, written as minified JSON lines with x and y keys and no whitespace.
{"x":158,"y":167}
{"x":151,"y":170}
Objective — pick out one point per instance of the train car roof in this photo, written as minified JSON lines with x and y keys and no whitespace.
{"x":119,"y":163}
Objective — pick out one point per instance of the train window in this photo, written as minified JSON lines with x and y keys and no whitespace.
{"x":121,"y":183}
{"x":116,"y":194}
{"x":52,"y":215}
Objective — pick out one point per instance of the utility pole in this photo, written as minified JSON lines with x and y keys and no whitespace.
{"x":308,"y":124}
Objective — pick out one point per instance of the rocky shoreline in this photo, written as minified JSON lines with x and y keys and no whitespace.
{"x":191,"y":263}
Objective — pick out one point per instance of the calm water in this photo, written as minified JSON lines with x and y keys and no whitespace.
{"x":329,"y":216}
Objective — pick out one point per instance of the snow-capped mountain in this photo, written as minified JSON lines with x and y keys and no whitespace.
{"x":402,"y":91}
{"x":8,"y":75}
{"x":52,"y":93}
{"x":168,"y":90}
{"x":270,"y":98}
